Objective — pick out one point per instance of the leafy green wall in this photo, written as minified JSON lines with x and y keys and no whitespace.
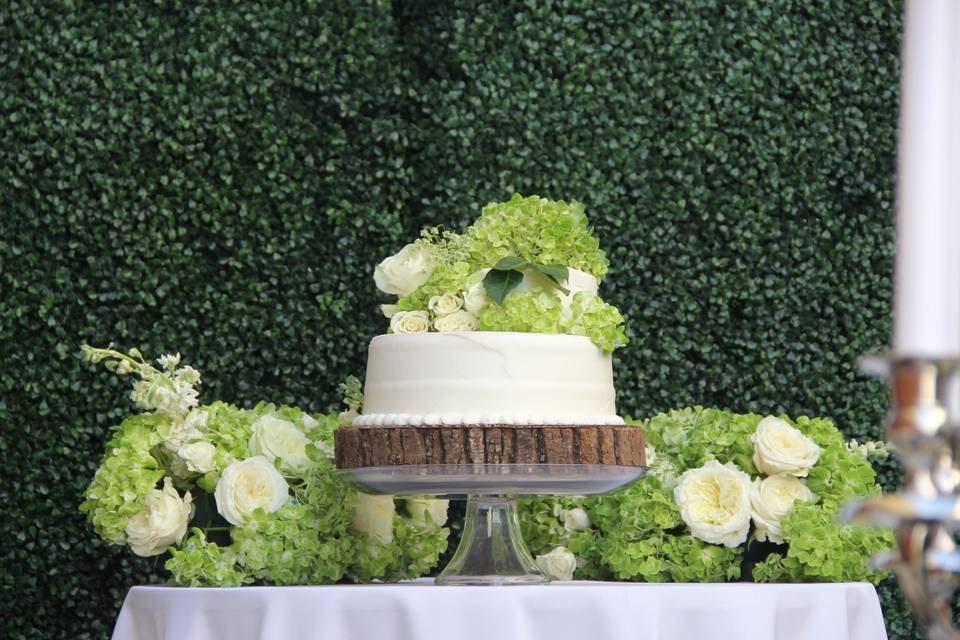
{"x":219,"y":180}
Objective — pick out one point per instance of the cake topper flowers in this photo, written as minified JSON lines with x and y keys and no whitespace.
{"x":528,"y":264}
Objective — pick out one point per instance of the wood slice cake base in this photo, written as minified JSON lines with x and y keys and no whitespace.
{"x":490,"y":444}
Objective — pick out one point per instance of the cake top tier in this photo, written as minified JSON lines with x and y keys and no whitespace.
{"x":526,"y":265}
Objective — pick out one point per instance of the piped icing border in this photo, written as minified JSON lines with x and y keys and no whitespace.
{"x":453,"y":419}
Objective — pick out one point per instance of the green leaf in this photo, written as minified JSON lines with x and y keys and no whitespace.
{"x":555,"y":273}
{"x":511,"y":263}
{"x":499,"y":283}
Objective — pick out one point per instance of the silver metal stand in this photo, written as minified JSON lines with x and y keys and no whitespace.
{"x":924,"y":427}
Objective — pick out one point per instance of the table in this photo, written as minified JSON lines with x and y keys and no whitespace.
{"x":578,"y":610}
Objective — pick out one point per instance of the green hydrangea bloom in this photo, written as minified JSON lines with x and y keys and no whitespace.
{"x":538,"y":230}
{"x":539,"y":311}
{"x":691,"y":437}
{"x":592,"y":317}
{"x":533,"y":311}
{"x":294,"y":545}
{"x":823,"y":550}
{"x":414,"y":551}
{"x":128,"y":473}
{"x":199,"y":563}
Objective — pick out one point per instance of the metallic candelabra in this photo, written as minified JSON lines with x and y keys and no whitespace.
{"x":924,"y":428}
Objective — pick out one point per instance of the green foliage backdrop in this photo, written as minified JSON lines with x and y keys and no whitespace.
{"x":220,"y":178}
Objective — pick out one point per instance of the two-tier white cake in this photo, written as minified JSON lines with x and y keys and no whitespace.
{"x":499,"y":359}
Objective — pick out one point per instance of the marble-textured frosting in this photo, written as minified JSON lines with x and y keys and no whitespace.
{"x":487,"y":377}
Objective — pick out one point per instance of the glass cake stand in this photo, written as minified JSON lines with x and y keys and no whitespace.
{"x":492,"y":551}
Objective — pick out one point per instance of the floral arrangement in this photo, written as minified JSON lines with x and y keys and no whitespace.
{"x":236,"y":496}
{"x":528,"y":264}
{"x":723,"y":487}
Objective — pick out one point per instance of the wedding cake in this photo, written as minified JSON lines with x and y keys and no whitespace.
{"x":498,"y":350}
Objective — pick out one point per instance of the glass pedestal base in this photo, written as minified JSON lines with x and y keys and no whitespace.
{"x":492,"y":551}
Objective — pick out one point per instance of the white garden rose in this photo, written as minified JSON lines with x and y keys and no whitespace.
{"x":428,"y":510}
{"x":410,"y":322}
{"x":575,"y":519}
{"x":475,"y":298}
{"x":714,"y":502}
{"x":277,"y":439}
{"x":772,"y":499}
{"x":373,"y":515}
{"x":780,"y":448}
{"x":456,"y":321}
{"x":445,"y":304}
{"x":559,"y":564}
{"x":249,"y":485}
{"x":199,"y":457}
{"x":161,"y":521}
{"x":403,"y":273}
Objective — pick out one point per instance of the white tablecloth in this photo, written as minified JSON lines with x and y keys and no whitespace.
{"x":575,"y":610}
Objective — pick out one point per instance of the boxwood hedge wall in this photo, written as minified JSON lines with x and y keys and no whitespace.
{"x":220,"y":178}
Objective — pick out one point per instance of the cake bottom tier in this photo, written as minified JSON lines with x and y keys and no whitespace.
{"x":498,"y":444}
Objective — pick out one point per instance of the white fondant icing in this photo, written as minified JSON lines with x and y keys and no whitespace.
{"x":487,"y":377}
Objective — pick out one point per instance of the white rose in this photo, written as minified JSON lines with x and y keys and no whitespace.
{"x":373,"y":515}
{"x":559,"y":564}
{"x":161,"y":521}
{"x":445,"y":304}
{"x":456,"y":321}
{"x":475,"y":298}
{"x":714,"y":502}
{"x":780,"y":448}
{"x":274,"y":439}
{"x":575,"y":519}
{"x":410,"y":322}
{"x":309,"y":422}
{"x":403,"y":273}
{"x":428,"y":510}
{"x":772,"y":499}
{"x":247,"y":486}
{"x":198,"y":456}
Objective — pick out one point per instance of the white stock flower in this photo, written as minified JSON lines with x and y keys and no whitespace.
{"x":559,"y":564}
{"x":161,"y":521}
{"x":780,"y":448}
{"x":456,"y":321}
{"x":445,"y":304}
{"x":169,"y":362}
{"x":475,"y":298}
{"x":199,"y":457}
{"x":403,"y":273}
{"x":373,"y":515}
{"x":575,"y":519}
{"x":714,"y":503}
{"x":428,"y":510}
{"x":275,"y":439}
{"x":189,"y":428}
{"x":249,"y":485}
{"x":410,"y":322}
{"x":772,"y":499}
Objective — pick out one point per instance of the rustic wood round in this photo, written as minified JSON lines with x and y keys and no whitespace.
{"x":358,"y":447}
